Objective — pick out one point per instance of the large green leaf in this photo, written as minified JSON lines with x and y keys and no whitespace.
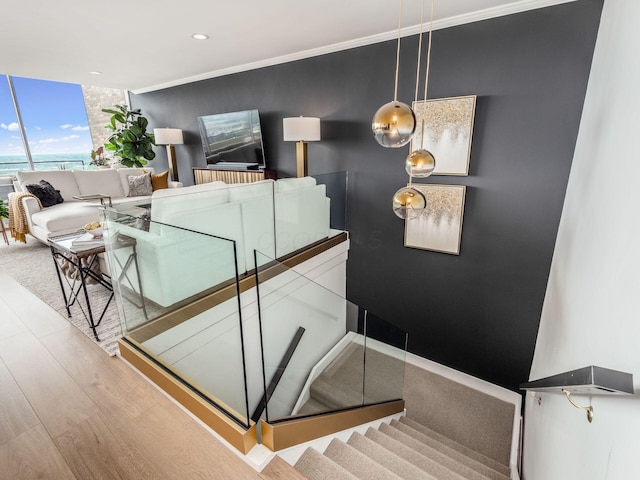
{"x":129,"y":136}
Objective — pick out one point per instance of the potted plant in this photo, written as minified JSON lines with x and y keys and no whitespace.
{"x":4,"y":210}
{"x":130,"y":140}
{"x":98,"y":159}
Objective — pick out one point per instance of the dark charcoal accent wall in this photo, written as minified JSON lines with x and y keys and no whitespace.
{"x":479,"y":311}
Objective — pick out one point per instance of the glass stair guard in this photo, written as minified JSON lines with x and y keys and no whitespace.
{"x":252,"y":346}
{"x":327,"y":364}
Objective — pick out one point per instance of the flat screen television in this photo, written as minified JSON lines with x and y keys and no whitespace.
{"x":232,"y":140}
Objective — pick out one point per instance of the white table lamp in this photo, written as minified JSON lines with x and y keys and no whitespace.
{"x":301,"y":130}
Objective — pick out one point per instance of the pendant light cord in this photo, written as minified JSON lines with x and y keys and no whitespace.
{"x":426,"y":79}
{"x":395,"y":91}
{"x":415,"y":96}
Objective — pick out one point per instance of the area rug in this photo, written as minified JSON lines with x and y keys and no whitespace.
{"x":31,"y":265}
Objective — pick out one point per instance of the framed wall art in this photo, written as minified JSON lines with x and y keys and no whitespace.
{"x":439,"y":228}
{"x":447,"y":127}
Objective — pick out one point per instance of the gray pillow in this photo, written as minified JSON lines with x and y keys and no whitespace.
{"x":140,"y":185}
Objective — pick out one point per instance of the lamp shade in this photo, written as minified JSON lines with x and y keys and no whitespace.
{"x":168,"y":136}
{"x":296,"y":129}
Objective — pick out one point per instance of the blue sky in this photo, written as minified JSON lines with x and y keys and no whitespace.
{"x":53,"y":113}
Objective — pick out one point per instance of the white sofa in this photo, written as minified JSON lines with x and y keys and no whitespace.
{"x":69,"y":216}
{"x":273,"y":217}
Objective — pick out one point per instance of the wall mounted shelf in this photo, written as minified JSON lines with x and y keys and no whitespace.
{"x":586,"y":381}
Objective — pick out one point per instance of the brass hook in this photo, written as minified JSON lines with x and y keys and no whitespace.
{"x":537,"y":399}
{"x":588,"y":409}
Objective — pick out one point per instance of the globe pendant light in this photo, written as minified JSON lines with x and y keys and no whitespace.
{"x":421,"y":163}
{"x":409,"y":202}
{"x":394,"y":123}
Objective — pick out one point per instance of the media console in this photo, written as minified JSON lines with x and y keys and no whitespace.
{"x":207,"y":175}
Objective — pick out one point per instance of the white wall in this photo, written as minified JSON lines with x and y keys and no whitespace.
{"x":591,"y":313}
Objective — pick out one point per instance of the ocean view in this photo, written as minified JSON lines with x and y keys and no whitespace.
{"x":9,"y":164}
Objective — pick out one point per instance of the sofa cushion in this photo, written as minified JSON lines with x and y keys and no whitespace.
{"x":63,"y":180}
{"x":140,"y":185}
{"x":106,"y":181}
{"x":124,"y":176}
{"x":46,"y":193}
{"x":287,"y":184}
{"x":226,"y":228}
{"x":203,"y":187}
{"x":244,"y":191}
{"x":168,"y":207}
{"x":160,"y":181}
{"x":66,"y":216}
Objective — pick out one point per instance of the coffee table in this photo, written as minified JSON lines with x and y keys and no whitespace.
{"x":83,"y":258}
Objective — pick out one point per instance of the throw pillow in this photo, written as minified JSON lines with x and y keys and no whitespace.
{"x":45,"y":192}
{"x":140,"y":185}
{"x":160,"y":181}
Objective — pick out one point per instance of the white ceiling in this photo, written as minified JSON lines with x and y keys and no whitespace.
{"x":144,"y":45}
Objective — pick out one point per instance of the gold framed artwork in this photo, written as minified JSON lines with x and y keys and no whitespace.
{"x":447,"y":127}
{"x":439,"y":228}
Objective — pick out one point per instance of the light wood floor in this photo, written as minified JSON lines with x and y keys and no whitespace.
{"x":69,"y":411}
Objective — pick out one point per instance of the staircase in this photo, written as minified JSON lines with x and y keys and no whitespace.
{"x":340,"y":385}
{"x":403,"y":449}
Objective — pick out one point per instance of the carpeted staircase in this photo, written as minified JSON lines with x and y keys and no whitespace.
{"x":403,"y":449}
{"x":347,"y":383}
{"x":454,"y":428}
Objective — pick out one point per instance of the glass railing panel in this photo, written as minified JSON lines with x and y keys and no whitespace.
{"x":336,"y":184}
{"x":166,"y":265}
{"x":243,"y":213}
{"x":177,"y":292}
{"x":310,"y":324}
{"x":302,"y":214}
{"x":385,"y":352}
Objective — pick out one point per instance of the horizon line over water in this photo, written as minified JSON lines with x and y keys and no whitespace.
{"x":43,"y":161}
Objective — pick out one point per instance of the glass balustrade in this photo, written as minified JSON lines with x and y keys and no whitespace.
{"x":317,"y":354}
{"x":200,"y":294}
{"x":178,"y":299}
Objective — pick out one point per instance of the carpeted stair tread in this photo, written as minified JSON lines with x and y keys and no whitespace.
{"x":386,"y":458}
{"x":455,"y":454}
{"x":420,"y":460}
{"x":467,"y":467}
{"x":350,"y":355}
{"x":489,"y":462}
{"x":316,"y":466}
{"x":357,"y":462}
{"x":312,"y":406}
{"x":334,"y":394}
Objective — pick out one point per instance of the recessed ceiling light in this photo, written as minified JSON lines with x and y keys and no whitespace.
{"x":199,"y":36}
{"x":95,"y":72}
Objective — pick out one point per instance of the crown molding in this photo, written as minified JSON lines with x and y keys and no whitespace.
{"x":477,"y":16}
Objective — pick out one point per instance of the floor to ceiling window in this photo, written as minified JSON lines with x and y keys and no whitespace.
{"x":12,"y":154}
{"x":51,"y":117}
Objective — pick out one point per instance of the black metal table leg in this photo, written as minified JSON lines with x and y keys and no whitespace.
{"x":64,"y":293}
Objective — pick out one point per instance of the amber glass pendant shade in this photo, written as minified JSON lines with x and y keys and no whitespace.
{"x":420,"y":163}
{"x":409,"y":203}
{"x":393,"y":124}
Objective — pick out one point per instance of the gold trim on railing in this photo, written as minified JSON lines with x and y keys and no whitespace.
{"x":241,"y":438}
{"x":277,"y":436}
